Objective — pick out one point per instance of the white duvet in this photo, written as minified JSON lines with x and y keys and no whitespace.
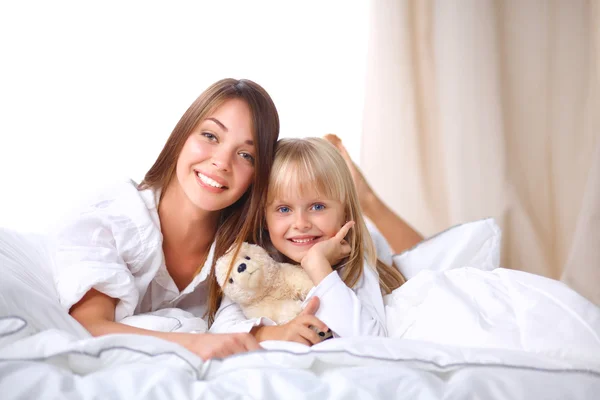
{"x":460,"y":332}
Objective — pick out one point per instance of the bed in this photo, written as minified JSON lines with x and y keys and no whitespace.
{"x":461,"y":327}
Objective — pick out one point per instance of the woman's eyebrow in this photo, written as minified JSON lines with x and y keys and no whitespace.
{"x":216,"y":121}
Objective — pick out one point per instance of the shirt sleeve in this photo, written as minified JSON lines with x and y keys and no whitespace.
{"x":351,"y":312}
{"x":231,"y":319}
{"x":88,"y":257}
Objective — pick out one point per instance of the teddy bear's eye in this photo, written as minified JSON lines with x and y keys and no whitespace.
{"x":247,"y":258}
{"x":230,"y":280}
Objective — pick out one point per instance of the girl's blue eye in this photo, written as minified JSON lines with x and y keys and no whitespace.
{"x":283,"y":209}
{"x":318,"y":207}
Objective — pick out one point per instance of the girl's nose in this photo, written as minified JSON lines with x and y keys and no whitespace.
{"x":302,"y":222}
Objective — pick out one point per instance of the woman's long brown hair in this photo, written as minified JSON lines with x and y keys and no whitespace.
{"x":237,"y":222}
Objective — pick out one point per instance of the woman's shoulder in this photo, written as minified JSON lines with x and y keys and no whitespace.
{"x":119,"y":198}
{"x":119,"y":205}
{"x":123,"y":196}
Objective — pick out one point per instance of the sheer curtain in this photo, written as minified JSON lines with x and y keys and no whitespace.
{"x":491,"y":108}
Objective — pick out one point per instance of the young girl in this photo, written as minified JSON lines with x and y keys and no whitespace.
{"x":142,"y":248}
{"x":313,"y":218}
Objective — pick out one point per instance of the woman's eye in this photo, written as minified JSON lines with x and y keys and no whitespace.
{"x":209,"y":136}
{"x":318,"y":207}
{"x":283,"y":209}
{"x":248,"y":157}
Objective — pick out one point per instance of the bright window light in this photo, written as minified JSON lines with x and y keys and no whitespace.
{"x":90,"y":91}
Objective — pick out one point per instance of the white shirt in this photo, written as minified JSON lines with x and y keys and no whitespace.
{"x":348,"y":312}
{"x":114,"y":245}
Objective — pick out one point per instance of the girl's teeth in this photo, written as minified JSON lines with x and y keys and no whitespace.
{"x":208,"y":181}
{"x":302,"y":240}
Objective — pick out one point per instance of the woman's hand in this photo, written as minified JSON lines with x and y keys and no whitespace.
{"x":297,"y":330}
{"x":96,"y":312}
{"x":323,"y":255}
{"x":219,"y":345}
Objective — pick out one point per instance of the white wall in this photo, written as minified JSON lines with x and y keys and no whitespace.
{"x":89,"y":91}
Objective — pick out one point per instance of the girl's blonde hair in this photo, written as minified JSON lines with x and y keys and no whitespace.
{"x":303,"y":165}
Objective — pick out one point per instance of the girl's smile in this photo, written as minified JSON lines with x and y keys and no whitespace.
{"x":296,"y":223}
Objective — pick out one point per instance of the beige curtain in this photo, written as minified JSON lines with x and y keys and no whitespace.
{"x":480,"y":108}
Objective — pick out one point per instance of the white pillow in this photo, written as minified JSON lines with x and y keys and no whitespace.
{"x":28,"y":299}
{"x":473,"y":244}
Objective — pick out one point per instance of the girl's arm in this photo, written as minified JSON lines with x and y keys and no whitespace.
{"x":351,"y":312}
{"x":230,"y":318}
{"x":347,"y":312}
{"x":96,"y":312}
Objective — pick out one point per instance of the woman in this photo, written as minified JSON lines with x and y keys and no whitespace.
{"x":141,"y":248}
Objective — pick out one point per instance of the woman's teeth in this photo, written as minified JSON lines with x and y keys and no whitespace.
{"x":208,"y":181}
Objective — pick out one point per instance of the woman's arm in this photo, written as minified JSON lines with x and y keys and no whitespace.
{"x":96,"y":312}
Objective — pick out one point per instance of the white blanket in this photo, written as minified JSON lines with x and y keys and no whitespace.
{"x":456,"y":333}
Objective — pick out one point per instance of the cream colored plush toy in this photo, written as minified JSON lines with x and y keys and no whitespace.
{"x":261,"y":286}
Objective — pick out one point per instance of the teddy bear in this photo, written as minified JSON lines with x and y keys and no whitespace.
{"x":262,"y":286}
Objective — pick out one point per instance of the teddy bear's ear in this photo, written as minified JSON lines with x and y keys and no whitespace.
{"x":221,"y":267}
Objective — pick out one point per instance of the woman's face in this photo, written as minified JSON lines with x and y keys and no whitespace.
{"x":216,"y":164}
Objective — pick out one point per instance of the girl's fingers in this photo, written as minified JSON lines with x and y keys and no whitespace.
{"x":314,"y":321}
{"x":310,"y":335}
{"x":344,"y":230}
{"x":346,"y":249}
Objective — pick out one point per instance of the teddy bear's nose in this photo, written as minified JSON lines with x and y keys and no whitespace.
{"x":241,"y":267}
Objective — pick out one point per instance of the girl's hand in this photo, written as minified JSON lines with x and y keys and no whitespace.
{"x":220,"y":345}
{"x":297,"y":330}
{"x":318,"y":260}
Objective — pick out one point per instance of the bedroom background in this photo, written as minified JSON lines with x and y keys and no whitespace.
{"x":455,"y":111}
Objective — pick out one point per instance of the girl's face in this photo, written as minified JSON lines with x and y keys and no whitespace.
{"x":295,"y":224}
{"x":216,"y":164}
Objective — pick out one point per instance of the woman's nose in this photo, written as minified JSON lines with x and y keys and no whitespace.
{"x":222,"y":160}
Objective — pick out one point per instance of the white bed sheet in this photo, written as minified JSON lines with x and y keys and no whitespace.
{"x":54,"y":364}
